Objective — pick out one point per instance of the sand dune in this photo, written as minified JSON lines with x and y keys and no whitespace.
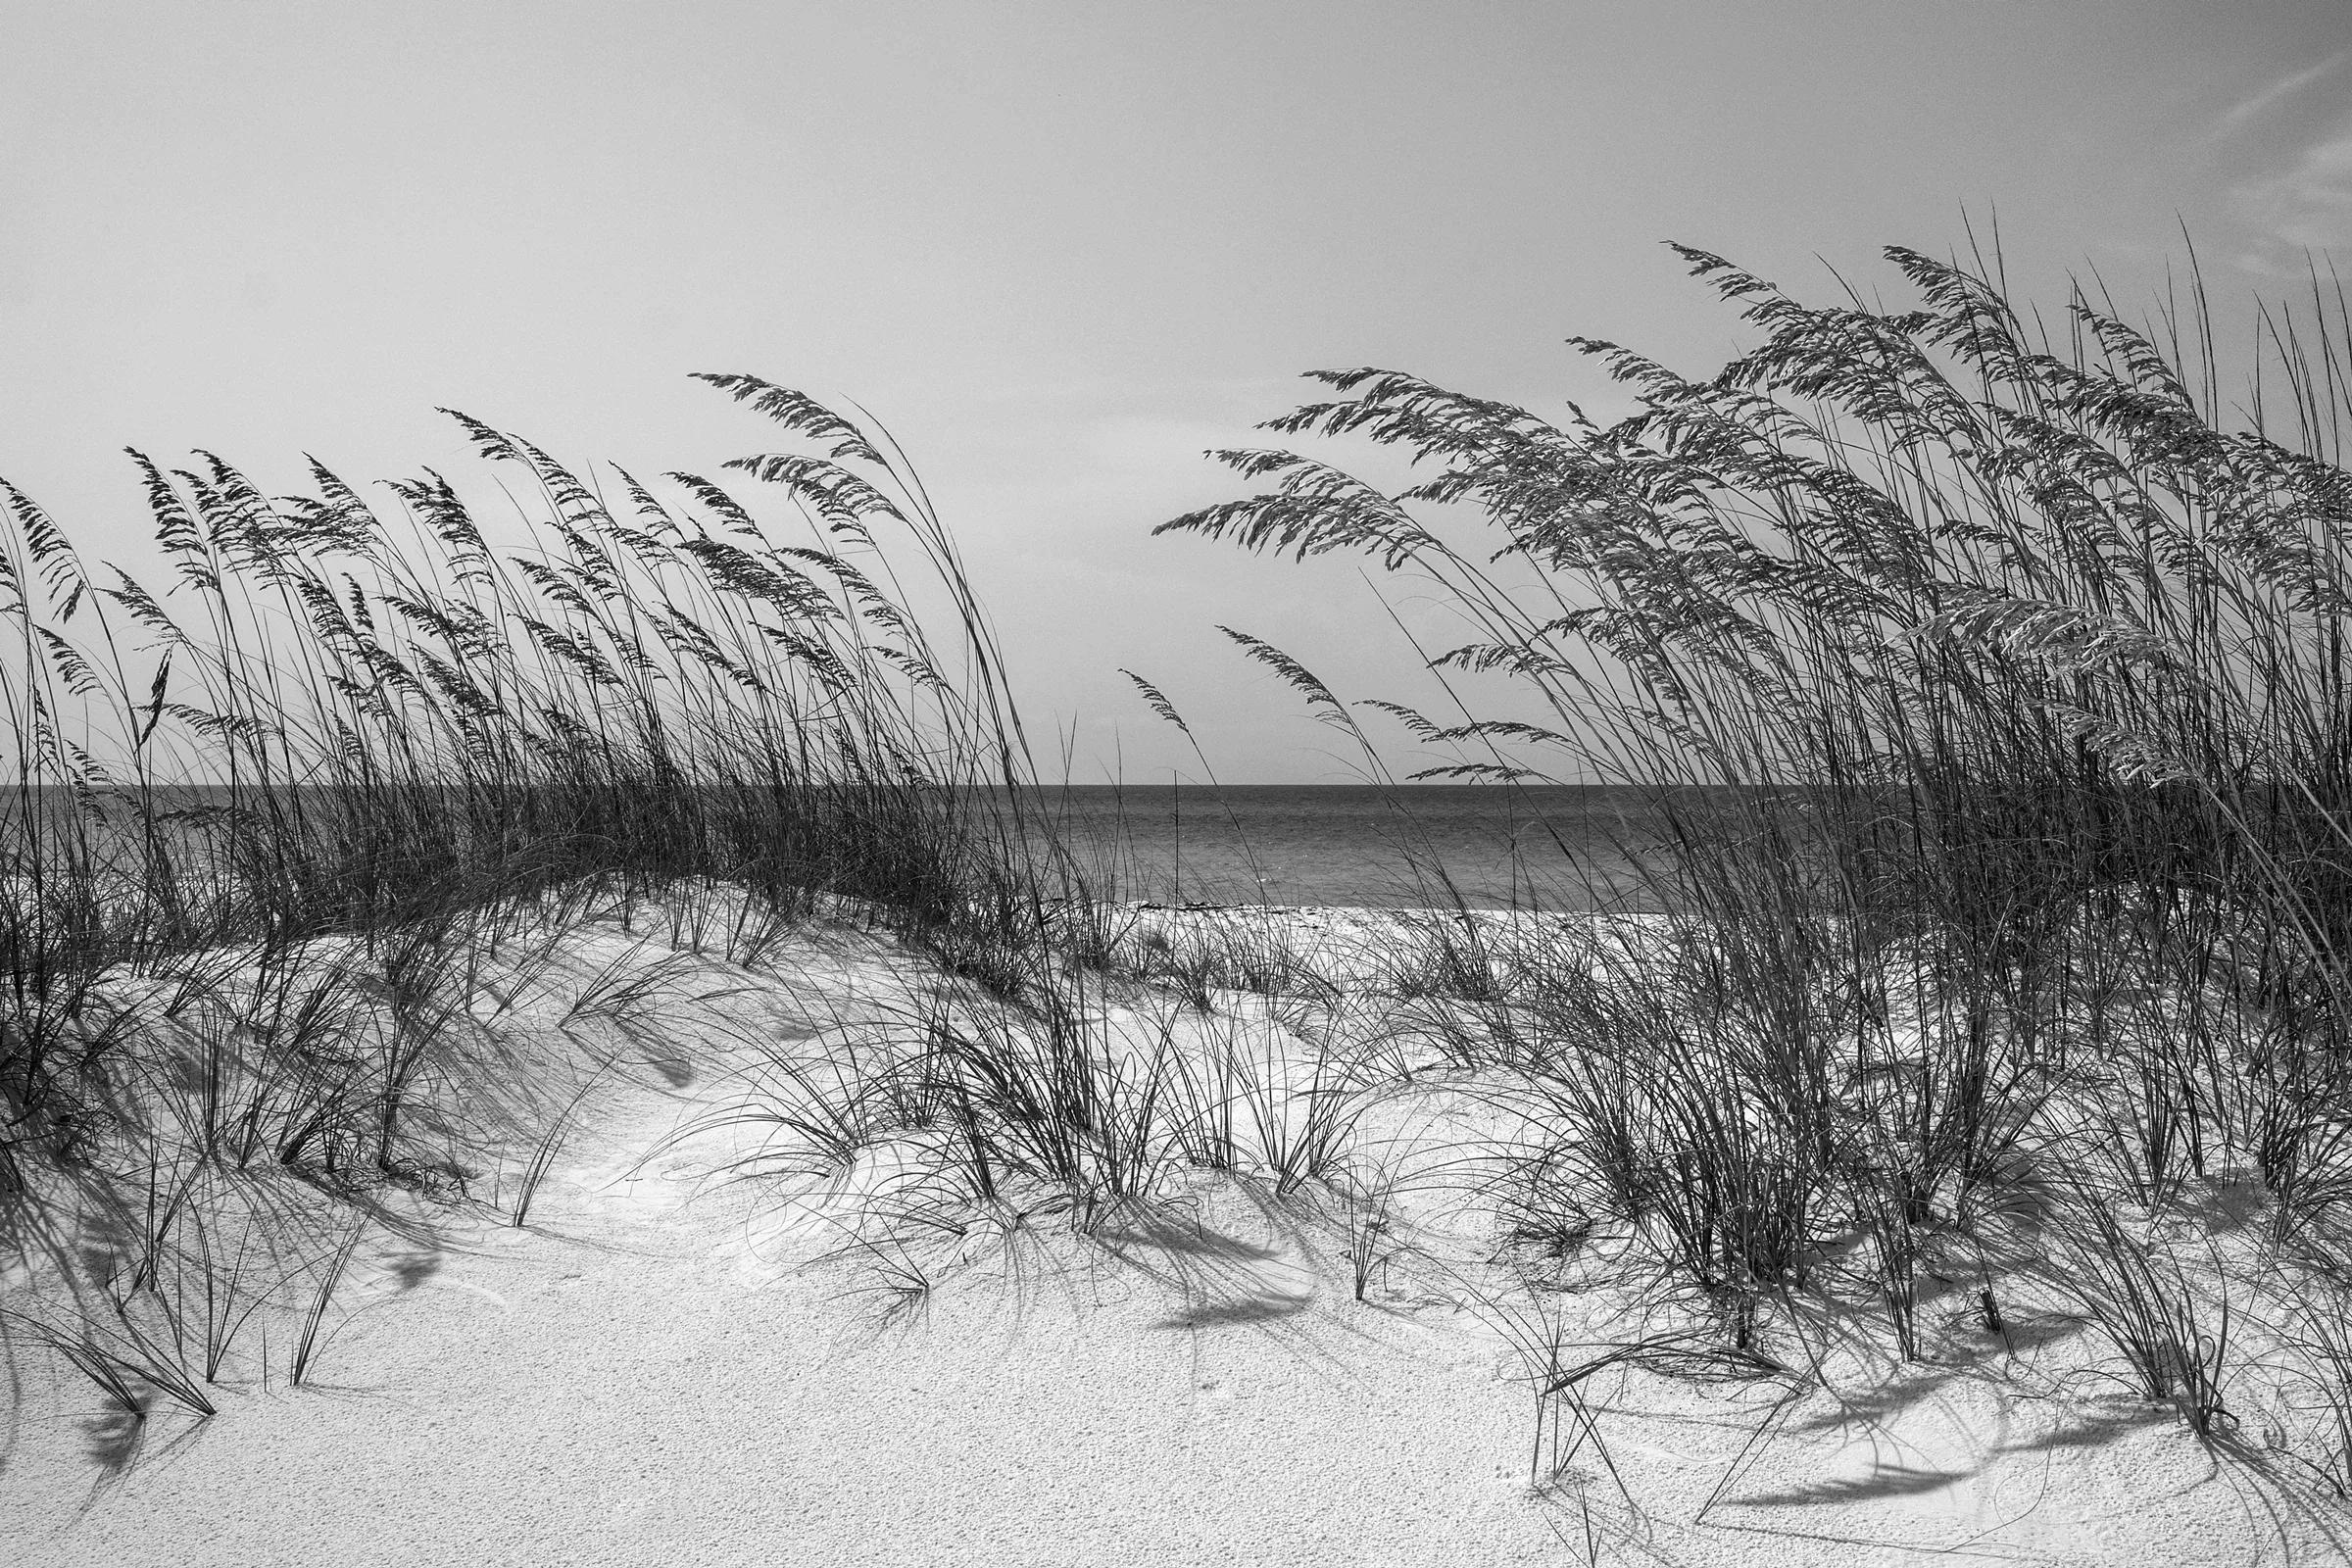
{"x":684,"y":1359}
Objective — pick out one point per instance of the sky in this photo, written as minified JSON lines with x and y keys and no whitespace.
{"x":1059,"y":249}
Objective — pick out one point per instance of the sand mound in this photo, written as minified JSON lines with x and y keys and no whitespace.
{"x":688,"y":1356}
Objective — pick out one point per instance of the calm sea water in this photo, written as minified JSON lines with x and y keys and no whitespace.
{"x":1558,"y":848}
{"x":1410,"y":846}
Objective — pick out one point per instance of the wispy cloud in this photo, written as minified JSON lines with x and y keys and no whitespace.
{"x":2285,"y":86}
{"x":2307,"y":206}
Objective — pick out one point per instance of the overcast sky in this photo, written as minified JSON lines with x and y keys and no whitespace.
{"x":1059,"y":248}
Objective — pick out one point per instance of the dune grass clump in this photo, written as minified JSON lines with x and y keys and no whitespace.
{"x":920,"y":1125}
{"x":283,"y":832}
{"x":1988,"y":686}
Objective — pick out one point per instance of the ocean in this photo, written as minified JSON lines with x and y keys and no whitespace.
{"x":1561,"y":848}
{"x":1411,"y":846}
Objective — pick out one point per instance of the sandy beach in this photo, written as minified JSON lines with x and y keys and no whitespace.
{"x":689,"y":1355}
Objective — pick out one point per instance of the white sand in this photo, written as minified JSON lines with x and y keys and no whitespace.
{"x":659,"y":1371}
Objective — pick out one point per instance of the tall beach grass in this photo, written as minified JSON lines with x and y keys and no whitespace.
{"x":1989,"y":673}
{"x":280,"y":825}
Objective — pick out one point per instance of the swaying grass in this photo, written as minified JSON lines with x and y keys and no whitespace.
{"x":283,"y":830}
{"x":1990,"y":686}
{"x":2139,"y":1297}
{"x":1089,"y":1098}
